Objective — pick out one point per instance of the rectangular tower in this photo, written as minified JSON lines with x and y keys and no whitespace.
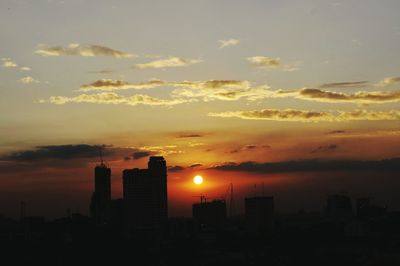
{"x":145,"y":198}
{"x":101,"y":199}
{"x":259,"y":212}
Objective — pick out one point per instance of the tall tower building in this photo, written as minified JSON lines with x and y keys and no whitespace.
{"x":209,"y":215}
{"x":101,"y":198}
{"x":145,"y":198}
{"x":259,"y":212}
{"x":339,"y":206}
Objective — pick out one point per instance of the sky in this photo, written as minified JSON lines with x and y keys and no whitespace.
{"x":232,"y":90}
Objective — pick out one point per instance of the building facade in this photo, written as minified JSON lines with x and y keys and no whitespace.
{"x":210,"y":214}
{"x":259,"y":213}
{"x":145,"y":198}
{"x":101,"y":198}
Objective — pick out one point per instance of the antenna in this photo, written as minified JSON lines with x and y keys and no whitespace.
{"x":231,"y":201}
{"x":101,"y":154}
{"x":203,"y":198}
{"x":255,"y":190}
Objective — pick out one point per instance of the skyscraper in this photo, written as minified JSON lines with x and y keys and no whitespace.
{"x":145,"y":198}
{"x":101,"y":198}
{"x":259,"y":213}
{"x":209,"y":215}
{"x":339,"y":207}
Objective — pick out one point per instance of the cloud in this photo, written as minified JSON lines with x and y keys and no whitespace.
{"x":232,"y":90}
{"x":226,"y":90}
{"x":390,"y":81}
{"x":163,"y":150}
{"x":325,"y":148}
{"x":110,"y":85}
{"x":104,"y":71}
{"x":310,"y":116}
{"x":247,"y":148}
{"x":389,"y":165}
{"x":28,"y":80}
{"x":347,"y":84}
{"x":335,"y":97}
{"x":211,"y":84}
{"x":194,"y":135}
{"x":175,"y":168}
{"x":89,"y":50}
{"x":8,"y":63}
{"x":169,"y":62}
{"x":62,"y":152}
{"x":113,"y":98}
{"x":265,"y":62}
{"x":141,"y":154}
{"x":230,"y":42}
{"x":195,"y":165}
{"x":336,"y":132}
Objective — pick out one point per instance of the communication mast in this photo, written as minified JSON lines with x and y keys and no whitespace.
{"x":203,"y":198}
{"x":229,"y":191}
{"x":102,"y":164}
{"x":231,"y":201}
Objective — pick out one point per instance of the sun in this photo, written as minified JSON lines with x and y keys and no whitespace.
{"x":198,"y":179}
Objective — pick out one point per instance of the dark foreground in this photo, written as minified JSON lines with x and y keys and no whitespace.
{"x":301,"y":239}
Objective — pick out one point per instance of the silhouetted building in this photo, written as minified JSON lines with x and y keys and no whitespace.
{"x":259,"y":212}
{"x":145,"y":198}
{"x":181,"y":227}
{"x":339,"y":207}
{"x":210,"y":214}
{"x":117,"y":212}
{"x":366,"y":209}
{"x":101,"y":197}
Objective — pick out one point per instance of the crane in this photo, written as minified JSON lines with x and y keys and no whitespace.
{"x":203,"y":198}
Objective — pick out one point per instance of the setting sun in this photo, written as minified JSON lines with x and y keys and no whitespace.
{"x":198,"y":179}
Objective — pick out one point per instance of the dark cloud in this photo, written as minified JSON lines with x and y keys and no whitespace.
{"x":310,"y":116}
{"x":104,"y":71}
{"x":325,"y":148}
{"x":347,"y":84}
{"x":196,"y":165}
{"x":362,"y":96}
{"x":61,"y":152}
{"x":249,"y":147}
{"x":175,"y":168}
{"x":190,"y":136}
{"x":141,"y":154}
{"x":336,"y":132}
{"x":388,"y":165}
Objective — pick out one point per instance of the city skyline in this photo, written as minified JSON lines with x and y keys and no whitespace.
{"x":301,"y":96}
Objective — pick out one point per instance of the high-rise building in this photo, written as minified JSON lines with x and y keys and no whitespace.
{"x":145,"y":198}
{"x":210,"y":214}
{"x":101,"y":198}
{"x":339,"y":207}
{"x":259,"y":212}
{"x":366,"y":209}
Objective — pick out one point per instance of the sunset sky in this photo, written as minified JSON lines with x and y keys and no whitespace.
{"x":231,"y":90}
